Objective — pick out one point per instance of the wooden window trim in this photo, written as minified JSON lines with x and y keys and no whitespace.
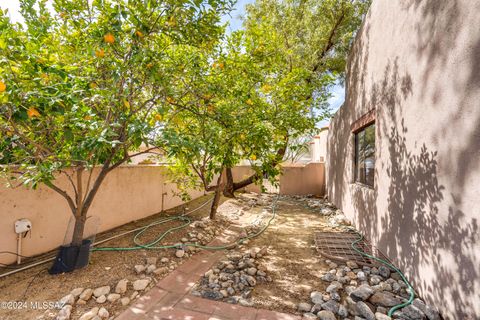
{"x":363,"y":122}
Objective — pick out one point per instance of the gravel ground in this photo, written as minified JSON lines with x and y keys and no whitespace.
{"x":104,"y":269}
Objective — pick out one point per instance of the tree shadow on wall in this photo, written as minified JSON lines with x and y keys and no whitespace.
{"x":420,"y":233}
{"x":417,"y":232}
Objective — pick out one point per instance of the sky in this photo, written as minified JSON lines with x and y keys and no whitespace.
{"x":235,"y":23}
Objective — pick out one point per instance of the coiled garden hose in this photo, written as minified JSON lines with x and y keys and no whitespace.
{"x":186,"y":222}
{"x":410,"y":288}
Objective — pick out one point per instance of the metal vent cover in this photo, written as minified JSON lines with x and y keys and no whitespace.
{"x":338,"y":246}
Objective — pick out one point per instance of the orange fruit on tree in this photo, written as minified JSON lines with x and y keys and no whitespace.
{"x":253,"y":157}
{"x":3,"y":86}
{"x":172,"y":22}
{"x":266,"y":88}
{"x":100,"y":53}
{"x":158,"y":117}
{"x":109,"y":38}
{"x":149,"y":65}
{"x":139,"y":34}
{"x":32,"y":112}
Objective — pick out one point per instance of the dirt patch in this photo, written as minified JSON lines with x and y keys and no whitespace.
{"x":105,"y":268}
{"x":292,"y":260}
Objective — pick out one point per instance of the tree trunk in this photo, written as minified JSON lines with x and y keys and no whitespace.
{"x":229,"y":190}
{"x":80,"y":214}
{"x":78,"y":230}
{"x":256,"y":176}
{"x":216,"y":197}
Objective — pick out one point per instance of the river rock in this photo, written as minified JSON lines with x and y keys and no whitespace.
{"x":384,"y":299}
{"x":68,"y":299}
{"x":101,"y":299}
{"x":125,"y":301}
{"x":362,"y":293}
{"x":365,"y":310}
{"x":139,"y":285}
{"x":329,"y":277}
{"x":139,"y":268}
{"x":374,"y":280}
{"x":412,"y":312}
{"x":112,"y":297}
{"x":304,"y":307}
{"x":342,"y":311}
{"x":76,"y":292}
{"x":429,"y":311}
{"x":103,"y":313}
{"x":64,"y":313}
{"x":101,"y":291}
{"x":86,"y":294}
{"x":381,"y":316}
{"x":331,"y":305}
{"x":384,"y":271}
{"x":326,"y":315}
{"x":316,"y":297}
{"x":212,"y":295}
{"x":121,"y":286}
{"x":179,"y":253}
{"x":361,"y":276}
{"x":89,"y":314}
{"x":164,"y":260}
{"x":252,"y":271}
{"x":334,"y":286}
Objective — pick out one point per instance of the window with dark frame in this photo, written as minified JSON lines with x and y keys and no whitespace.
{"x":365,"y":155}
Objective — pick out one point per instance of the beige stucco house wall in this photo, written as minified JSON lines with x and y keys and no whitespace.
{"x":416,"y":64}
{"x":318,"y":146}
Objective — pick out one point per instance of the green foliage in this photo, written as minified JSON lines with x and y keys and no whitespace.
{"x":82,"y":82}
{"x":260,"y":89}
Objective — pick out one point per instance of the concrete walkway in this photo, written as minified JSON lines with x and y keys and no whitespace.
{"x":171,"y":298}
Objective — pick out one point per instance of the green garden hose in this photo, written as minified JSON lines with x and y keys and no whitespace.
{"x":410,"y":288}
{"x":186,"y":222}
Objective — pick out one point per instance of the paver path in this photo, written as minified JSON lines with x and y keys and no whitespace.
{"x":170,"y":298}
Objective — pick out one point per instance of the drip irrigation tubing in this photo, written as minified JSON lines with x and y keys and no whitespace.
{"x":46,"y":260}
{"x":186,"y":222}
{"x":152,"y":245}
{"x":391,"y":266}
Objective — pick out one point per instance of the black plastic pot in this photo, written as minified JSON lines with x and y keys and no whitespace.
{"x":70,"y":258}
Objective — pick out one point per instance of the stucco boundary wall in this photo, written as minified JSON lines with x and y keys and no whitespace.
{"x":296,"y":179}
{"x":128,"y":193}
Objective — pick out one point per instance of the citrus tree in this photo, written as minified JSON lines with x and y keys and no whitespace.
{"x":80,"y":86}
{"x":210,"y":106}
{"x":302,"y":47}
{"x":258,"y":91}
